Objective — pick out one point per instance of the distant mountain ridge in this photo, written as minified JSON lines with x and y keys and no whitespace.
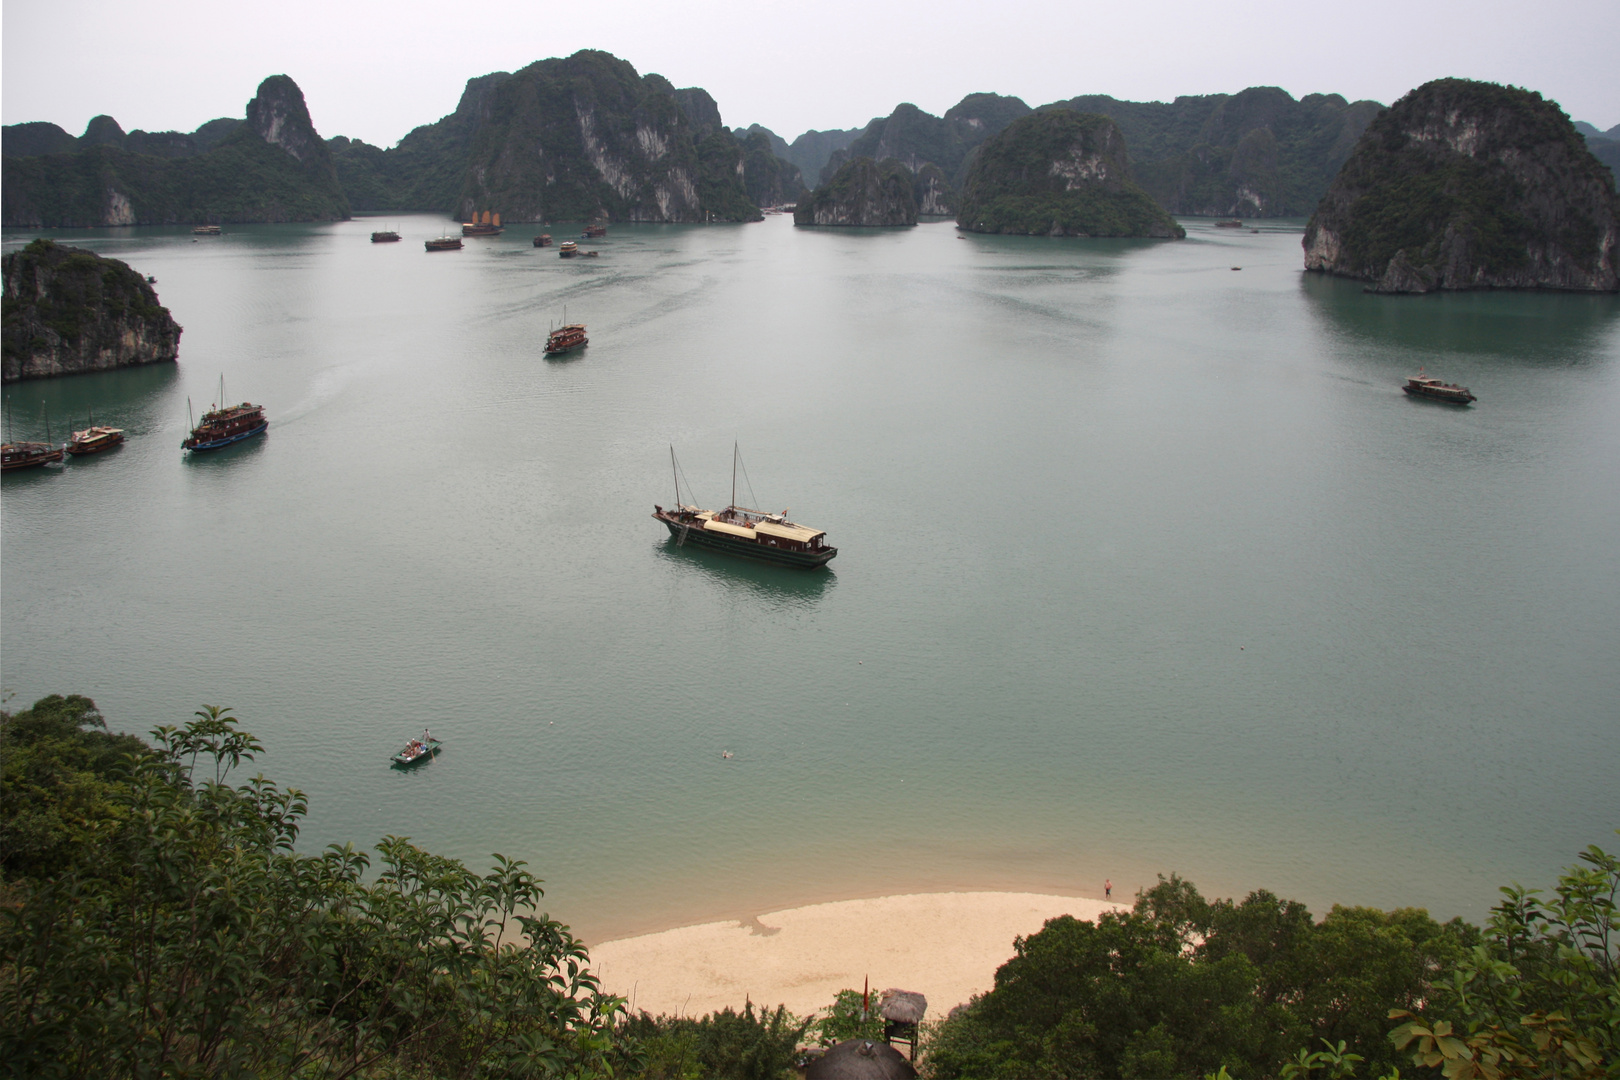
{"x":271,"y":166}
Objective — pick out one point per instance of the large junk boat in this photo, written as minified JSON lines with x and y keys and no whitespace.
{"x":483,"y":225}
{"x":738,"y":530}
{"x":1421,"y":385}
{"x":384,"y":236}
{"x":223,"y":425}
{"x":26,"y":455}
{"x":444,"y":243}
{"x":754,"y":534}
{"x":568,"y":249}
{"x":95,"y":439}
{"x":206,"y":230}
{"x":594,"y":232}
{"x":566,"y":338}
{"x":543,"y":240}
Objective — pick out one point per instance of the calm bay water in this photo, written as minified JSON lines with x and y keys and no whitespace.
{"x":1146,"y":564}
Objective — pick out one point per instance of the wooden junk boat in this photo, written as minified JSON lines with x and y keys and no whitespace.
{"x":1421,"y":385}
{"x":1232,"y":224}
{"x":417,"y":751}
{"x":95,"y":439}
{"x":483,"y":225}
{"x":385,"y":236}
{"x":444,"y":243}
{"x":568,"y":249}
{"x":594,"y":232}
{"x":223,"y":425}
{"x":26,"y":455}
{"x":543,"y":240}
{"x":737,"y":530}
{"x":206,"y":230}
{"x":566,"y":338}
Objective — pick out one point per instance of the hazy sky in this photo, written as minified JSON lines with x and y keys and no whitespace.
{"x":374,"y":70}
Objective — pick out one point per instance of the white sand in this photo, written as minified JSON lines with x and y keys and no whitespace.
{"x":945,"y":945}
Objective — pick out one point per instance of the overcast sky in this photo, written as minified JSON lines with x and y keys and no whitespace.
{"x":374,"y":70}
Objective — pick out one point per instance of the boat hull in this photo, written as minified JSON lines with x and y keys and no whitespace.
{"x":748,"y":549}
{"x":94,"y":447}
{"x":29,"y":459}
{"x":227,"y":440}
{"x":1455,"y":397}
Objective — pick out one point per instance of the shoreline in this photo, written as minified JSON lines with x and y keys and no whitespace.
{"x":945,"y":945}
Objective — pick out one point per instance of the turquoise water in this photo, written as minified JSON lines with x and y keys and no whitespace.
{"x":1146,"y":564}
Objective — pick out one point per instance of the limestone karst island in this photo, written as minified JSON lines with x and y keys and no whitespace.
{"x":419,"y":664}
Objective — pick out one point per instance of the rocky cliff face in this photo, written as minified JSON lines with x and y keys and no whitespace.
{"x":1467,"y":185}
{"x":68,"y":310}
{"x":916,"y":138}
{"x":586,"y":137}
{"x":272,"y":168}
{"x":933,"y":191}
{"x":862,"y":193}
{"x":1059,"y":173}
{"x":1256,"y":153}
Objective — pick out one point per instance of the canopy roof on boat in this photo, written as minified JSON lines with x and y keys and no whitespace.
{"x":731,"y":530}
{"x":788,"y":531}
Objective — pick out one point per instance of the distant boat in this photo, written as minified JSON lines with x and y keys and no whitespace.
{"x":737,"y":530}
{"x":445,"y":243}
{"x":487,"y":225}
{"x":594,"y":232}
{"x":568,"y":249}
{"x":1233,"y":224}
{"x":385,"y":236}
{"x":206,"y":230}
{"x":1421,"y":385}
{"x":225,"y":424}
{"x":543,"y":240}
{"x":94,"y":439}
{"x":417,"y":751}
{"x":566,"y":339}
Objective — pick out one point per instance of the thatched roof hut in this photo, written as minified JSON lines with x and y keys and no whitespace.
{"x":903,"y":1006}
{"x":861,"y":1059}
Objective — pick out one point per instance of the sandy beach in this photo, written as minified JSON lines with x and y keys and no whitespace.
{"x":945,"y":945}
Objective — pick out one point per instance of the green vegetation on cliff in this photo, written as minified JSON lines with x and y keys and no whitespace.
{"x":1256,"y":153}
{"x":1184,"y":987}
{"x":113,"y":179}
{"x":69,"y":310}
{"x":1467,"y":184}
{"x":585,"y":137}
{"x":158,"y":921}
{"x":863,"y":193}
{"x":1059,"y":173}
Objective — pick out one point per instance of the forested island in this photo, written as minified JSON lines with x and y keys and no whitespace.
{"x":161,"y":921}
{"x":272,"y":166}
{"x":1467,"y":185}
{"x":1059,"y":173}
{"x":69,"y":310}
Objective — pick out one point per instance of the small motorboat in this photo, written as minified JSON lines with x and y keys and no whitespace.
{"x":417,"y":751}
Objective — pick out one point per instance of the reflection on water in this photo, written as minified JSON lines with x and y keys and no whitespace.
{"x":744,"y":579}
{"x":1542,"y":327}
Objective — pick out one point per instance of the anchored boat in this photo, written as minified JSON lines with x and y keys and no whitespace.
{"x":1421,"y":385}
{"x":25,"y":455}
{"x":738,"y":530}
{"x":94,"y":439}
{"x":483,"y":225}
{"x":384,"y":236}
{"x":444,"y":243}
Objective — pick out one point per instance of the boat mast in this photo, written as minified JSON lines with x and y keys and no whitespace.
{"x":734,"y":474}
{"x":191,"y":423}
{"x":675,"y":471}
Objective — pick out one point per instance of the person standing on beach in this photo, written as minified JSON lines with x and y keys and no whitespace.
{"x":1108,"y":889}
